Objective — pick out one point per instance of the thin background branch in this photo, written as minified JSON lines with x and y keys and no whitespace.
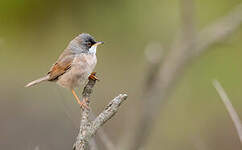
{"x":174,"y":64}
{"x":104,"y":138}
{"x":232,"y":112}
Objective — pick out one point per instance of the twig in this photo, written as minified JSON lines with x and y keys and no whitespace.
{"x":109,"y":111}
{"x":173,"y":66}
{"x":105,"y":140}
{"x":81,"y":142}
{"x":88,"y":129}
{"x":103,"y":136}
{"x":232,"y":112}
{"x":187,"y":19}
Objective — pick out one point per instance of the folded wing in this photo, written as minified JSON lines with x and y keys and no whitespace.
{"x":61,"y":66}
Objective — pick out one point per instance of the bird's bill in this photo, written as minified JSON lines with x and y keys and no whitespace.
{"x":98,"y":43}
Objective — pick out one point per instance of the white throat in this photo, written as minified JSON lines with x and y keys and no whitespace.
{"x":93,"y":49}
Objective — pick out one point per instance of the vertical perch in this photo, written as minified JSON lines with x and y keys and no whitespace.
{"x":89,"y":128}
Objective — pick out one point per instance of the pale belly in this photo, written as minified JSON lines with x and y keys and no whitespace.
{"x":82,"y":66}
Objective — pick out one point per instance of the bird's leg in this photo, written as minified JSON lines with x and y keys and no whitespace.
{"x":93,"y":76}
{"x":82,"y":103}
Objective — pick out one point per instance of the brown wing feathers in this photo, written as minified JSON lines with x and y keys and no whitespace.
{"x":58,"y":70}
{"x":61,"y":66}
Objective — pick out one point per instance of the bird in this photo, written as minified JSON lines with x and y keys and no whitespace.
{"x":74,"y":66}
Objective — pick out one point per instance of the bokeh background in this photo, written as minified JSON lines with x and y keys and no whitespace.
{"x":33,"y":33}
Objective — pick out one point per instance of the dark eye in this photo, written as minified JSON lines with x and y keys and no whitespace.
{"x":89,"y":44}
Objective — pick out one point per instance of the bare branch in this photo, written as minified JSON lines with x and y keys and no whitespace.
{"x":88,"y":129}
{"x":82,"y":140}
{"x":187,"y":19}
{"x":103,"y":136}
{"x":232,"y":112}
{"x":174,"y":64}
{"x":220,"y":29}
{"x":109,"y":111}
{"x":105,"y":139}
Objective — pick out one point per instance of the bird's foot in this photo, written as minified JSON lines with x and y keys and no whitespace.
{"x":93,"y":77}
{"x":83,"y":103}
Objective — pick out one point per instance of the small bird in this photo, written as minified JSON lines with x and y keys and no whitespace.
{"x":74,"y":66}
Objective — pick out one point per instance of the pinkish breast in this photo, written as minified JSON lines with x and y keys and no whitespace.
{"x":82,"y":66}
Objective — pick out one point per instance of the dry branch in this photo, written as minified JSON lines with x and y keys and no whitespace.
{"x":104,"y":138}
{"x":89,"y":128}
{"x":232,"y":112}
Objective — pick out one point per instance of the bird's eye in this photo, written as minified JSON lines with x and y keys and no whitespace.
{"x":89,"y":44}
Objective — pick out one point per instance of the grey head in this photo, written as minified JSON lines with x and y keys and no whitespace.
{"x":84,"y":43}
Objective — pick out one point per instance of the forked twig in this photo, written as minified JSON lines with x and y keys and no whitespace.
{"x":89,"y":128}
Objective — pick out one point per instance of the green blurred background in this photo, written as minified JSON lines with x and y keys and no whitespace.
{"x":33,"y":33}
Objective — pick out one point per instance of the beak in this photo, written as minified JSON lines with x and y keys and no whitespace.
{"x":98,"y":43}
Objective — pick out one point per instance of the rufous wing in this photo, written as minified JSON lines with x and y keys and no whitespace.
{"x":62,"y":65}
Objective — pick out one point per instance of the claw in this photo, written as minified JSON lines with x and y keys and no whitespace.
{"x":93,"y":77}
{"x":83,"y":104}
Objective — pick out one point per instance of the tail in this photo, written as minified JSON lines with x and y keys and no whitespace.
{"x":37,"y":81}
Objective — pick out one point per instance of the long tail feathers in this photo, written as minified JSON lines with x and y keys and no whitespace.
{"x":37,"y":81}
